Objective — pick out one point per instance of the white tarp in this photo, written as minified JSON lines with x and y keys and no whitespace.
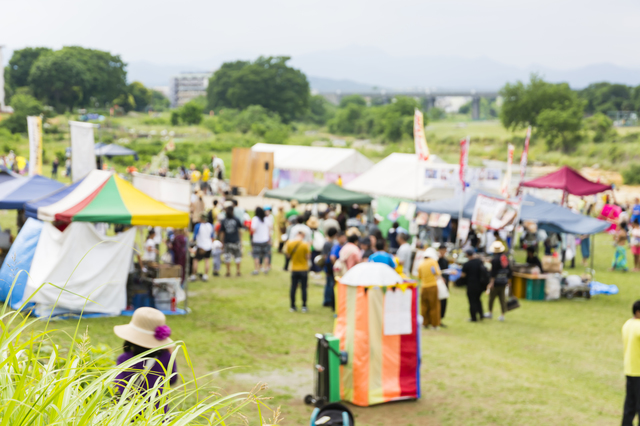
{"x":173,"y":192}
{"x":83,"y":158}
{"x":316,"y":159}
{"x":85,"y":263}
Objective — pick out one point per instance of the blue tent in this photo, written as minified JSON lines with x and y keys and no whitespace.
{"x":15,"y":193}
{"x":110,"y":150}
{"x":31,"y":208}
{"x":550,"y":217}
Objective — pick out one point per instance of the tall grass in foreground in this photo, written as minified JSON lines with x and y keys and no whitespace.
{"x":45,"y":384}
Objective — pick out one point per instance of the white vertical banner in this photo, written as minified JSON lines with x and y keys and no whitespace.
{"x":420,"y":140}
{"x":507,"y":176}
{"x":34,"y":126}
{"x":83,"y":156}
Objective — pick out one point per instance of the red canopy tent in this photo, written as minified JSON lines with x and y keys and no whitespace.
{"x":569,"y":181}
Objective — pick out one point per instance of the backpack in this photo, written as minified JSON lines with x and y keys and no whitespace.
{"x":485,"y":277}
{"x":504,"y":273}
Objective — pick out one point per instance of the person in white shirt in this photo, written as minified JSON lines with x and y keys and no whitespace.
{"x":203,"y":237}
{"x":404,"y":253}
{"x":150,"y":249}
{"x":261,"y":241}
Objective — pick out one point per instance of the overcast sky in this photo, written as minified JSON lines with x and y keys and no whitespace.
{"x":552,"y":33}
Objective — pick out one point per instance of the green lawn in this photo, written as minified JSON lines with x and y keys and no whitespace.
{"x":552,"y":363}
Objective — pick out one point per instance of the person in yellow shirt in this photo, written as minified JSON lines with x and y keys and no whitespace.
{"x":339,"y":180}
{"x":428,"y":272}
{"x":299,"y":252}
{"x":631,"y":342}
{"x":206,"y":175}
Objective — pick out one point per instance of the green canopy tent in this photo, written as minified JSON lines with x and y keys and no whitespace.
{"x":329,"y":194}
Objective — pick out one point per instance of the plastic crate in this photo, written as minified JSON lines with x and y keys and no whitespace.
{"x":535,"y":289}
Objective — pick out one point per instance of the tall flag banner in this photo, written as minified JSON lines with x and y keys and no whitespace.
{"x":464,"y":157}
{"x":34,"y":126}
{"x":525,"y":154}
{"x":507,"y":177}
{"x":83,"y":154}
{"x":420,"y":140}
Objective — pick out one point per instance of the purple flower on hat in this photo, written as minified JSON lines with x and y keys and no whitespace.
{"x":162,"y":332}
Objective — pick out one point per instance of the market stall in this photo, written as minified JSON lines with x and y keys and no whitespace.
{"x":328,"y":194}
{"x":377,"y":325}
{"x":569,"y":181}
{"x":74,"y":255}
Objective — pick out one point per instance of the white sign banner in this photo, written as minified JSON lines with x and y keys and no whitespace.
{"x":83,"y":155}
{"x":34,"y":126}
{"x":397,"y":312}
{"x":494,"y":213}
{"x":173,"y":192}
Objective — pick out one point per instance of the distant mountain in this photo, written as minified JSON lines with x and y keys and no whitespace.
{"x":355,"y":69}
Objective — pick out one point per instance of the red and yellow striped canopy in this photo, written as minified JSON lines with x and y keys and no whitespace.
{"x":105,"y":197}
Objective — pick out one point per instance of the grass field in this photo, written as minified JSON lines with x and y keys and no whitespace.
{"x":551,"y":363}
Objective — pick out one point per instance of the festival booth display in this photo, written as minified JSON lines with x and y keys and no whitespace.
{"x":295,"y":164}
{"x":569,"y":181}
{"x":80,"y":259}
{"x":377,"y":325}
{"x":328,"y":194}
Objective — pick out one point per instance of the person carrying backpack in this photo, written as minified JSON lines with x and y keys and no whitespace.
{"x":500,"y":276}
{"x":476,"y":277}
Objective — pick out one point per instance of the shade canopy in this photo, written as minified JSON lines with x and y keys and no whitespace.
{"x":6,"y":175}
{"x":317,"y":159}
{"x":568,"y":180}
{"x":401,"y":176}
{"x":105,"y":197}
{"x":14,"y":193}
{"x":110,"y":150}
{"x":549,"y":216}
{"x":371,"y":273}
{"x":308,"y":193}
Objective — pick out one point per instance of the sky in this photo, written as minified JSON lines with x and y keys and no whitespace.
{"x":552,"y":33}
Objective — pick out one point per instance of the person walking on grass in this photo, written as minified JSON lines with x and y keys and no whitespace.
{"x":443,"y":263}
{"x":330,"y":282}
{"x":230,"y":230}
{"x":631,"y":346}
{"x":500,"y":276}
{"x":299,"y":252}
{"x":428,"y":272}
{"x":261,"y":241}
{"x":473,"y":272}
{"x":620,"y":256}
{"x":635,"y":244}
{"x":203,"y":237}
{"x":381,"y":256}
{"x":404,"y":253}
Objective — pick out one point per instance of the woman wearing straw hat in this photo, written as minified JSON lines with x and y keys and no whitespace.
{"x":146,"y":331}
{"x":500,"y":276}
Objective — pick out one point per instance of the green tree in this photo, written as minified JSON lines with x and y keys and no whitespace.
{"x":320,"y":110}
{"x":191,"y":113}
{"x":268,"y":82}
{"x":352,"y":99}
{"x":175,"y":118}
{"x":8,"y":90}
{"x":58,"y":79}
{"x":159,"y":102}
{"x":604,"y":97}
{"x":21,"y":62}
{"x":601,"y":126}
{"x":23,"y":105}
{"x":346,"y":120}
{"x":126,"y":101}
{"x":436,"y":113}
{"x":141,"y":95}
{"x":561,"y":125}
{"x":523,"y":103}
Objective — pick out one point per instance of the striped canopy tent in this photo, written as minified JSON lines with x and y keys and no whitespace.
{"x":377,"y":324}
{"x":16,"y":192}
{"x":105,"y":197}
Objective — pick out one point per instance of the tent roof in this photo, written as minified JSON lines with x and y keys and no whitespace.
{"x":316,"y":158}
{"x":292,"y":192}
{"x":308,"y":193}
{"x":569,"y":180}
{"x":400,"y":176}
{"x":6,"y":175}
{"x":549,"y":216}
{"x":105,"y":197}
{"x":15,"y":193}
{"x":371,"y":273}
{"x":110,"y":150}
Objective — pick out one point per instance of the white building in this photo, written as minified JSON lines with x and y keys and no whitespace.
{"x":188,"y":85}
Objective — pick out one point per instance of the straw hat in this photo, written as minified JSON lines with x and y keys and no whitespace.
{"x":431,"y":253}
{"x":497,"y":247}
{"x":313,"y":222}
{"x":353,"y":231}
{"x":147,"y":328}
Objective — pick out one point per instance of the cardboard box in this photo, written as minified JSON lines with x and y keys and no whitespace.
{"x":551,"y":264}
{"x":169,"y":271}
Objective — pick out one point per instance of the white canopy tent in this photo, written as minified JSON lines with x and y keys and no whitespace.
{"x":401,"y":176}
{"x":294,"y":163}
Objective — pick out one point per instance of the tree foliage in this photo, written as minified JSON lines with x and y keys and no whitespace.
{"x":561,"y":125}
{"x":605,"y":97}
{"x":255,"y":119}
{"x":523,"y":103}
{"x":320,"y":110}
{"x":191,"y":113}
{"x":268,"y":82}
{"x":601,"y":126}
{"x":159,"y":102}
{"x":20,"y":65}
{"x":23,"y":106}
{"x":141,"y":95}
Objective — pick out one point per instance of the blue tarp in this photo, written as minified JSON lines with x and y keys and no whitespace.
{"x":15,"y":193}
{"x":19,"y":259}
{"x":550,"y":217}
{"x":31,"y":209}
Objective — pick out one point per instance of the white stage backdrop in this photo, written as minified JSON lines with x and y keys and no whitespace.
{"x":101,"y":273}
{"x":83,"y":154}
